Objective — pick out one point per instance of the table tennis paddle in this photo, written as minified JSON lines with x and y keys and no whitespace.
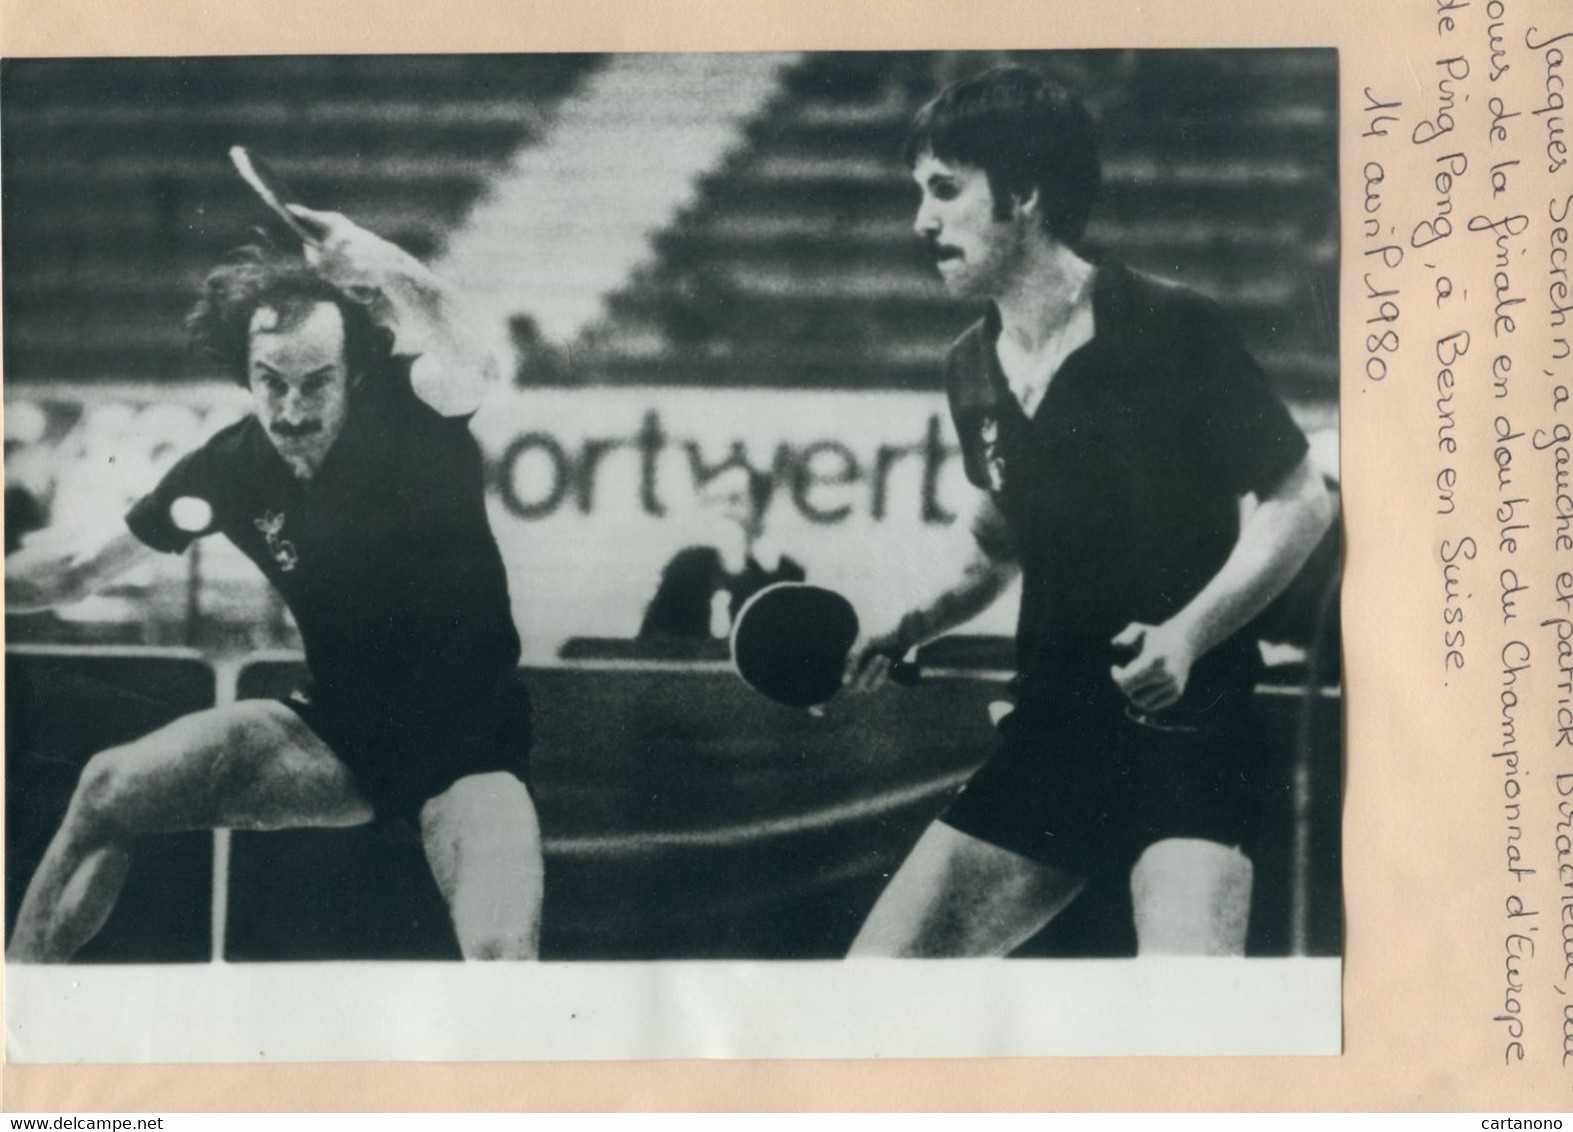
{"x":270,"y":188}
{"x":790,"y":643}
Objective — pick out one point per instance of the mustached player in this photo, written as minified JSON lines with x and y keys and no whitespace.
{"x":1115,"y":433}
{"x":355,"y":486}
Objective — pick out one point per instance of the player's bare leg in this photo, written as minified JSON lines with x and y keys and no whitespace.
{"x":252,"y":765}
{"x":484,"y":845}
{"x":1191,"y":897}
{"x":957,"y":896}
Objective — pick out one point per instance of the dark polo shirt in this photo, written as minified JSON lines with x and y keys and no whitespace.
{"x":1121,"y":492}
{"x":385,"y":557}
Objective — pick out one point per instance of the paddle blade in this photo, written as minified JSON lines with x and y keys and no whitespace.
{"x":790,"y":642}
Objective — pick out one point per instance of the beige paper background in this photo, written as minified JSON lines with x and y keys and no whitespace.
{"x":1422,"y":838}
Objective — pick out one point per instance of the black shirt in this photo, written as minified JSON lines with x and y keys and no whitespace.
{"x":385,"y":556}
{"x":1121,"y":492}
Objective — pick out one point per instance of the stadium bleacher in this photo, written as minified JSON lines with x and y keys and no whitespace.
{"x":797,"y":265}
{"x":794,"y":267}
{"x":119,"y":194}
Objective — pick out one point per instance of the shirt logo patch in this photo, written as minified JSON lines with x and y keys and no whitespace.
{"x":282,"y":549}
{"x":993,"y":458}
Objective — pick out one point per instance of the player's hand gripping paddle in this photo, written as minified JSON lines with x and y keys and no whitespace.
{"x":790,"y":642}
{"x":271,"y":189}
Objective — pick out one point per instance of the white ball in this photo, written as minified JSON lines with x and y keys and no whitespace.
{"x":190,"y":513}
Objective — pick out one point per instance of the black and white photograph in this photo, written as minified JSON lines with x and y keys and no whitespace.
{"x":710,"y":538}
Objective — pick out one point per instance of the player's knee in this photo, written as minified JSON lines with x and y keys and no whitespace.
{"x":1192,"y":897}
{"x":1191,"y":865}
{"x":104,"y":802}
{"x":484,"y":806}
{"x":219,"y":756}
{"x":488,"y":790}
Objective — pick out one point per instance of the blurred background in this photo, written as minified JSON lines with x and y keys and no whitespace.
{"x":692,"y":263}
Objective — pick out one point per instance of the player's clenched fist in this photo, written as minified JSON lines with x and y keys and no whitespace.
{"x":870,"y":660}
{"x":1156,"y":676}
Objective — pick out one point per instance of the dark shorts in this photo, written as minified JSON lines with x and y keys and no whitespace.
{"x":400,"y":763}
{"x":1092,"y":799}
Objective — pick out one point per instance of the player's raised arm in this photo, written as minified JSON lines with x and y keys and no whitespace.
{"x":430,"y":320}
{"x":985,"y":573}
{"x":58,"y":568}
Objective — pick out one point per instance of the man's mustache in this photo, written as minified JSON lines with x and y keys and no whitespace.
{"x":296,"y":431}
{"x":938,"y":251}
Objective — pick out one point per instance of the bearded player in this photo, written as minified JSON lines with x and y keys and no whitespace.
{"x":356,"y":487}
{"x":1132,"y":466}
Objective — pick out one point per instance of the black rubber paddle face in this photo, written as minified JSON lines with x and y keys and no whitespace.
{"x":791,"y":642}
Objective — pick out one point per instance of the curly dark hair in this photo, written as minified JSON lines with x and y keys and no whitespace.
{"x":1027,"y":132}
{"x":255,"y":277}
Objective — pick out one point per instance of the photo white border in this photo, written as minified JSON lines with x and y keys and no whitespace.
{"x":594,"y":1011}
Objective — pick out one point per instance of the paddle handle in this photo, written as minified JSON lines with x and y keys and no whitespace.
{"x":262,"y":181}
